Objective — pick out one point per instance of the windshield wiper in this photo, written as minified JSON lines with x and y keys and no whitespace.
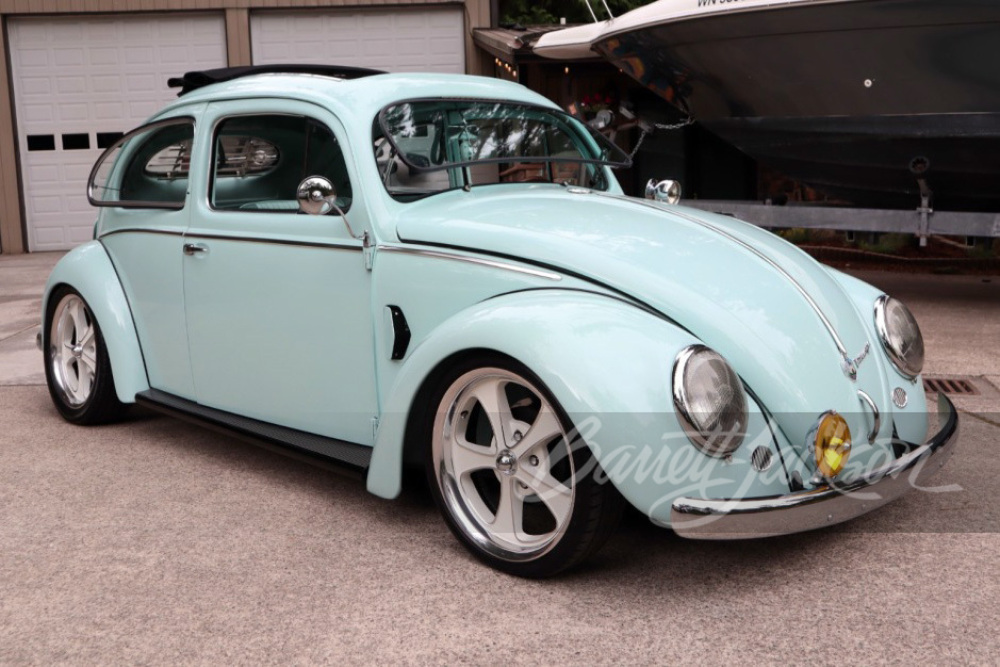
{"x":389,"y":163}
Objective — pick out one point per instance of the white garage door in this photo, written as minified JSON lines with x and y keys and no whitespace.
{"x":400,"y":40}
{"x":80,"y":83}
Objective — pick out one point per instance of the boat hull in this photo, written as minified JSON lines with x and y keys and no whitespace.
{"x":844,"y":95}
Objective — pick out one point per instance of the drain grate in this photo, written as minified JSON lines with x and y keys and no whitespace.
{"x":951,"y":385}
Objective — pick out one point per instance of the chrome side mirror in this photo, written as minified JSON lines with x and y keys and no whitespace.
{"x":668,"y":192}
{"x":316,"y":196}
{"x":604,"y":118}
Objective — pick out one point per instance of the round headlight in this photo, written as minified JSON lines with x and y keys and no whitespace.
{"x":710,"y":402}
{"x":900,"y":335}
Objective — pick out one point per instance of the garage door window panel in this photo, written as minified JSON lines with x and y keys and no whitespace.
{"x":259,"y":162}
{"x":147,"y":168}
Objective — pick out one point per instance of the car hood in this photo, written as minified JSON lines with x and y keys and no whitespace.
{"x":746,"y":293}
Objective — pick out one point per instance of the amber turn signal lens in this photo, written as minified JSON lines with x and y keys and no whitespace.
{"x":833,"y":444}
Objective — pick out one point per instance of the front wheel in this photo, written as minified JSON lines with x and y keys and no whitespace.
{"x":77,"y":366}
{"x":513,"y":485}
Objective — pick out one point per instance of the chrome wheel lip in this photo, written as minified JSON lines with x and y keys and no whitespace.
{"x":463,"y":502}
{"x":72,"y":351}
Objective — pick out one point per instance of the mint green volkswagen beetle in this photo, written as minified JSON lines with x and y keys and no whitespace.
{"x":373,"y":270}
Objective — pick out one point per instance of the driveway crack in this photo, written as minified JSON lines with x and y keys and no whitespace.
{"x":18,"y":333}
{"x":981,"y":418}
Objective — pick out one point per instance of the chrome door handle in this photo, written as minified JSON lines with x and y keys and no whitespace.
{"x":194,"y":248}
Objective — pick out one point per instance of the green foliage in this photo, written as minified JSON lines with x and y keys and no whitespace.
{"x":888,"y":244}
{"x":796,"y":235}
{"x":540,"y":12}
{"x":985,"y":249}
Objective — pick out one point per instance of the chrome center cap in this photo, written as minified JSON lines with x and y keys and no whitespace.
{"x":506,"y":463}
{"x":78,"y":351}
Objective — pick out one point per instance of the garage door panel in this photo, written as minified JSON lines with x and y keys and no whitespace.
{"x":108,"y":83}
{"x":65,"y":85}
{"x":143,"y":55}
{"x":66,"y":57}
{"x":400,"y":40}
{"x":110,"y":113}
{"x":142,"y":83}
{"x":143,"y":109}
{"x":84,"y":76}
{"x":43,"y":86}
{"x":31,"y":58}
{"x":102,"y":57}
{"x":73,"y":113}
{"x":40,"y":115}
{"x":51,"y":238}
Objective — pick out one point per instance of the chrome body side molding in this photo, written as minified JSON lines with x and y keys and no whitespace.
{"x":234,"y":237}
{"x":506,"y":266}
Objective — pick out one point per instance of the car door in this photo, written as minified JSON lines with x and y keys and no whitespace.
{"x":278,"y":302}
{"x":141,"y":184}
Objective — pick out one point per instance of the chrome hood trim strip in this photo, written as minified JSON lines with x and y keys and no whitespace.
{"x":849,"y":366}
{"x":538,"y":273}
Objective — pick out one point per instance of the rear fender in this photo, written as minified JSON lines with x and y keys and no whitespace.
{"x":88,"y":270}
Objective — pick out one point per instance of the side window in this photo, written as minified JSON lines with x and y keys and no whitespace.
{"x":147,"y":168}
{"x":259,"y":161}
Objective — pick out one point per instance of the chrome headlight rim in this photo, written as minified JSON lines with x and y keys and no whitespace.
{"x":905,"y":368}
{"x":682,"y":403}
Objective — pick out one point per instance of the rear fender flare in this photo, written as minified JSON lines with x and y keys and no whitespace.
{"x":88,"y":270}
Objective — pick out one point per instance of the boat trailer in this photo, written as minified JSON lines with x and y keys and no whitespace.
{"x":923,"y":222}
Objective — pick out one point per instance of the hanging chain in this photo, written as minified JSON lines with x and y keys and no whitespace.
{"x":659,"y":126}
{"x":674,"y":126}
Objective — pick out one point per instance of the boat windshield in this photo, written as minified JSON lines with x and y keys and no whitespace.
{"x":428,"y":146}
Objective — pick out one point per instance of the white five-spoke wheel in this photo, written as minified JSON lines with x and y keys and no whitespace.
{"x":77,"y":366}
{"x":73,"y":350}
{"x":510,"y":480}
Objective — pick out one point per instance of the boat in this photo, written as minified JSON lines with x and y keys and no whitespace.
{"x":869,"y":101}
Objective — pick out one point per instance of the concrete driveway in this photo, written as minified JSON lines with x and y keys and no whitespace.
{"x":156,"y":542}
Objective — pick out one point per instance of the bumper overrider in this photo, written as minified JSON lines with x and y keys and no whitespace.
{"x":830,"y":504}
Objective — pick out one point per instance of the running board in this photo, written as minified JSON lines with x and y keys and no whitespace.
{"x":330,"y":453}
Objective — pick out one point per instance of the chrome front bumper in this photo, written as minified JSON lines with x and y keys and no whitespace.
{"x":836,"y":502}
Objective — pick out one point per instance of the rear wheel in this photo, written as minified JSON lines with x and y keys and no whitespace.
{"x":512,"y":483}
{"x":77,"y":367}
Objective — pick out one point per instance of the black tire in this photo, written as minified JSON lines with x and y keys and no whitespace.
{"x":77,"y":366}
{"x":552,"y":537}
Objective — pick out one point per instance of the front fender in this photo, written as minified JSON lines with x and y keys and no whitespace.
{"x":599,"y":356}
{"x":88,"y":269}
{"x":910,"y":421}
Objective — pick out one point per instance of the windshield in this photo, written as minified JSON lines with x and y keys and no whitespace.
{"x":428,"y":146}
